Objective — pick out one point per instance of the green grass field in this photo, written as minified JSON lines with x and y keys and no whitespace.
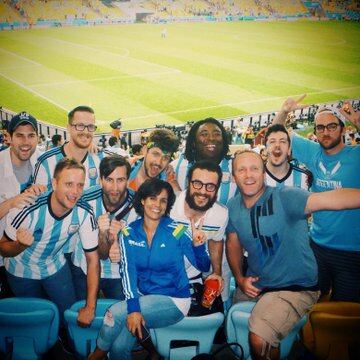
{"x":198,"y":70}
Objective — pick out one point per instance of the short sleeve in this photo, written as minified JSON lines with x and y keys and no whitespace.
{"x":16,"y":219}
{"x":89,"y":233}
{"x":294,"y":201}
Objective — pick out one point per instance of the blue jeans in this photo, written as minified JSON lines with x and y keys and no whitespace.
{"x":111,"y":288}
{"x":58,"y":288}
{"x":158,"y":311}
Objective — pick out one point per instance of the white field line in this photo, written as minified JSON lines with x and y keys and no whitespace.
{"x":20,"y":57}
{"x":34,"y":92}
{"x":114,"y":54}
{"x":102,"y":79}
{"x":238,"y":103}
{"x":15,"y":67}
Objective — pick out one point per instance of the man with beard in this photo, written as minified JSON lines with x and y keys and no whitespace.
{"x":81,"y":128}
{"x":159,"y":150}
{"x":196,"y":207}
{"x":35,"y":237}
{"x":207,"y":140}
{"x":17,"y":164}
{"x":112,"y":202}
{"x":270,"y":223}
{"x":279,"y":171}
{"x":335,"y":234}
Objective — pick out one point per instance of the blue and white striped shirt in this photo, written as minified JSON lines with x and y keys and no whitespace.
{"x":45,"y":256}
{"x":94,"y":197}
{"x":45,"y":166}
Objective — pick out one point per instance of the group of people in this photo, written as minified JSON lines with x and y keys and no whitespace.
{"x":75,"y":221}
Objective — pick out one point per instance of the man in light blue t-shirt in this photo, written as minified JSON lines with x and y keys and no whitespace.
{"x":270,"y":224}
{"x":335,"y":234}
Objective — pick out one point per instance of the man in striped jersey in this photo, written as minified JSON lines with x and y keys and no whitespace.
{"x":81,"y":128}
{"x":112,"y":202}
{"x":279,"y":171}
{"x":207,"y":140}
{"x":35,"y":237}
{"x":159,"y":150}
{"x":196,"y":207}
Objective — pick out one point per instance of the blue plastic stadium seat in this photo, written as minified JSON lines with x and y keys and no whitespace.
{"x":200,"y":330}
{"x":28,"y":327}
{"x":237,"y":329}
{"x":84,"y":339}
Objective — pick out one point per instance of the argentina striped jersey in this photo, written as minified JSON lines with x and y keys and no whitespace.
{"x":93,"y":197}
{"x":45,"y":166}
{"x":51,"y":233}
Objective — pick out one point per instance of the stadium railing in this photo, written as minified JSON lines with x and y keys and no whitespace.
{"x":257,"y":120}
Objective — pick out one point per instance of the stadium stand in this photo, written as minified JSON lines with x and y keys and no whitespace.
{"x":23,"y":13}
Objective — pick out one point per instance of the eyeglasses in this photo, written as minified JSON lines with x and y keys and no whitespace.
{"x":197,"y":184}
{"x":81,"y":127}
{"x":329,"y":127}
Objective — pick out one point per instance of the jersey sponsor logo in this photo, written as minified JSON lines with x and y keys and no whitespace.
{"x":137,"y":243}
{"x":93,"y":174}
{"x":73,"y":228}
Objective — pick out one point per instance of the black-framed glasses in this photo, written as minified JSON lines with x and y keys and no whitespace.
{"x":81,"y":127}
{"x":329,"y":127}
{"x":197,"y":184}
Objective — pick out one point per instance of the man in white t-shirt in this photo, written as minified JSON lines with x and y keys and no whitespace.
{"x":197,"y":207}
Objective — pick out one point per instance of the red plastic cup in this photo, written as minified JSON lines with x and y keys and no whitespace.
{"x":211,"y":289}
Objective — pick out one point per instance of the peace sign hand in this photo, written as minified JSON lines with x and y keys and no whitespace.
{"x":198,"y":235}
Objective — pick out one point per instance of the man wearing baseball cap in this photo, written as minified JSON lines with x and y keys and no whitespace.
{"x":16,"y":166}
{"x":335,"y":235}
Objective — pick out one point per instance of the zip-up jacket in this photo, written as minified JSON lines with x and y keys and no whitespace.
{"x":158,"y":269}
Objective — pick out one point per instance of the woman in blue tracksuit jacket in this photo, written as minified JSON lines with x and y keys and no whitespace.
{"x":155,"y":283}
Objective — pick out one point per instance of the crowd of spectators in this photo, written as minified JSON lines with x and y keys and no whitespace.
{"x":145,"y":227}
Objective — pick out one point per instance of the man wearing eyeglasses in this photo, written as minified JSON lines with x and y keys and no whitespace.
{"x":81,"y":128}
{"x":197,"y":207}
{"x":335,"y":234}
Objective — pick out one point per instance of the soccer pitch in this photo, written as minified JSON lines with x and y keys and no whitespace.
{"x":198,"y":70}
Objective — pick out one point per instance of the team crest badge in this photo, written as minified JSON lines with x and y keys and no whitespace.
{"x":225,"y":177}
{"x":73,"y":228}
{"x":93,"y":173}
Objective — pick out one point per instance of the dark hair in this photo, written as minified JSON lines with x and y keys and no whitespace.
{"x":276,"y":128}
{"x":110,"y":163}
{"x":79,"y":108}
{"x":136,"y":148}
{"x":205,"y":165}
{"x":113,"y":140}
{"x":153,"y":187}
{"x":56,"y":139}
{"x":67,"y":163}
{"x":190,"y":149}
{"x":165,"y":139}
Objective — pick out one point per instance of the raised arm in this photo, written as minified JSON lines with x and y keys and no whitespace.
{"x":10,"y":248}
{"x":350,"y":114}
{"x":339,"y":199}
{"x":289,"y":105}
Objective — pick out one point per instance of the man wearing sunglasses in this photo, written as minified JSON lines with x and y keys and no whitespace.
{"x":81,"y":128}
{"x":335,"y":234}
{"x":196,"y":207}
